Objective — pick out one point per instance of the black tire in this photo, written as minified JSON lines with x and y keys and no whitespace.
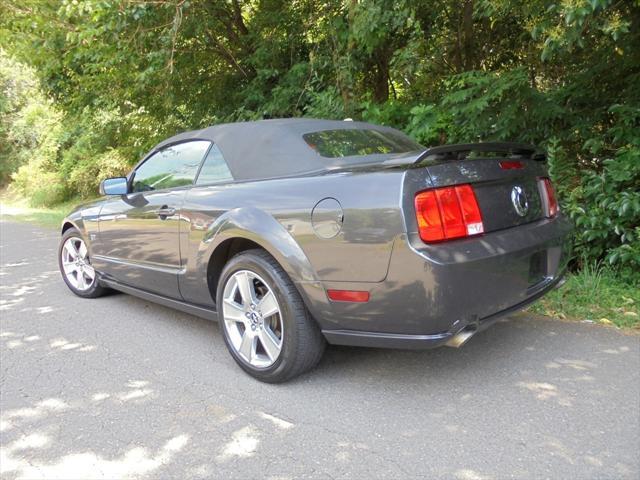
{"x":95,"y":289}
{"x":302,"y":342}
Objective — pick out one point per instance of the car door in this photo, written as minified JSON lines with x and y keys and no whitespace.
{"x":139,"y":232}
{"x":211,"y":196}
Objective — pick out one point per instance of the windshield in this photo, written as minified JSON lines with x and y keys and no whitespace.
{"x":352,"y":142}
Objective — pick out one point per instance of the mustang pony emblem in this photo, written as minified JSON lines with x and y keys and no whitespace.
{"x":520,"y":201}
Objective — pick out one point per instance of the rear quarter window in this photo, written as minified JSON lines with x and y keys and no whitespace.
{"x":214,"y":169}
{"x":355,"y":142}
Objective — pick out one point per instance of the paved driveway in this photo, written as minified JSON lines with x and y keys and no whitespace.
{"x":118,"y":387}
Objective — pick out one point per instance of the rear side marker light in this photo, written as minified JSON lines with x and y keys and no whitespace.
{"x":511,"y":164}
{"x":348,"y":296}
{"x":550,"y":198}
{"x":447,"y":213}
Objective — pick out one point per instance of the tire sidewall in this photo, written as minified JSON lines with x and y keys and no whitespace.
{"x":95,"y":287}
{"x":278,"y":286}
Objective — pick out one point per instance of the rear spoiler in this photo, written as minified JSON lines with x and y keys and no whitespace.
{"x":462,"y":150}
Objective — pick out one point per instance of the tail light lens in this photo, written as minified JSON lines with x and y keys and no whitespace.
{"x":550,"y":197}
{"x":447,"y":213}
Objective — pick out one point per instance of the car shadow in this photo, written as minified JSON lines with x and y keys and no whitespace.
{"x":501,"y":343}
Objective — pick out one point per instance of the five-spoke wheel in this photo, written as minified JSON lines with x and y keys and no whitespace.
{"x":266,"y":326}
{"x":75,"y":265}
{"x":252,"y":318}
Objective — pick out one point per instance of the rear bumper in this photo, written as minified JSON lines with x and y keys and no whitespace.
{"x":420,"y":342}
{"x":431,"y":292}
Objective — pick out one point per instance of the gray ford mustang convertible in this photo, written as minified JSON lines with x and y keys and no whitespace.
{"x":298,"y":232}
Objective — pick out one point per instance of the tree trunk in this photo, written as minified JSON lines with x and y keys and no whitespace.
{"x":381,"y":78}
{"x":468,"y":43}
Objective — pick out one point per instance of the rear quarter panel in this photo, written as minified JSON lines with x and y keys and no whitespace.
{"x":360,"y":252}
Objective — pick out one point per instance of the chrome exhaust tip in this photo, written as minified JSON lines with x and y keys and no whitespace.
{"x":461,"y":338}
{"x":561,"y":282}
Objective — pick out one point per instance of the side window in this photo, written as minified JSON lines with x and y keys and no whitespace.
{"x":174,"y":166}
{"x":214,"y":169}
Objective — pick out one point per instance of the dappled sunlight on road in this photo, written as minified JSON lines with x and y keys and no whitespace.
{"x":14,"y":295}
{"x":545,"y":391}
{"x":243,"y":443}
{"x":33,"y":447}
{"x":467,"y":474}
{"x":30,"y":343}
{"x":120,"y":388}
{"x":87,"y":465}
{"x":39,"y":410}
{"x":616,"y":351}
{"x":278,"y":422}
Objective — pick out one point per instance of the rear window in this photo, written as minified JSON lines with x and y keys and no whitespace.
{"x":352,"y":142}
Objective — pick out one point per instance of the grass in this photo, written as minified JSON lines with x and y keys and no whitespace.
{"x":13,"y":207}
{"x":595,"y":293}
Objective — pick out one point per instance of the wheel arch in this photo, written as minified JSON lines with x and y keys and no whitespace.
{"x":246,"y":229}
{"x":224,"y":252}
{"x":66,"y":225}
{"x":73,"y":220}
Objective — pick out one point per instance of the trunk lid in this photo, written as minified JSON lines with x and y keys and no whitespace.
{"x":504,"y":177}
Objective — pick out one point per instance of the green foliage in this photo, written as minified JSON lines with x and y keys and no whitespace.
{"x":606,"y":207}
{"x":86,"y":175}
{"x":430,"y":124}
{"x":563,"y":169}
{"x":325,"y":104}
{"x":564,"y":29}
{"x":41,"y":186}
{"x":87,"y":87}
{"x":29,"y":123}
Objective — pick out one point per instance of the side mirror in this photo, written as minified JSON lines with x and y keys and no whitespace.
{"x":114,"y":186}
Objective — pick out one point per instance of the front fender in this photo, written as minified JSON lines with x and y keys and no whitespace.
{"x":84,"y":218}
{"x":71,"y":222}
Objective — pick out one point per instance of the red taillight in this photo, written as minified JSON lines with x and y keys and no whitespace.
{"x":450,"y":213}
{"x":447,"y":213}
{"x":348,"y":295}
{"x":428,"y":215}
{"x":470,"y":210}
{"x":511,"y":164}
{"x":551,"y":201}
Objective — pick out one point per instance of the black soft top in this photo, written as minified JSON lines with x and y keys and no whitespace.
{"x":275,"y":148}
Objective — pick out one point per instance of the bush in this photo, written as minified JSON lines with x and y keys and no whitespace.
{"x":39,"y":186}
{"x":603,"y":199}
{"x":87,"y":174}
{"x":30,"y":125}
{"x":606,"y":212}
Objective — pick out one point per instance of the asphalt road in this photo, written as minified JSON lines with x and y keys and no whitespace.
{"x":118,"y":387}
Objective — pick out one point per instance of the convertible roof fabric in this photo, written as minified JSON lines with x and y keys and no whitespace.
{"x":275,"y":148}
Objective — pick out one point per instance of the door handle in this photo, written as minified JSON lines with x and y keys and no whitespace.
{"x":165,"y":212}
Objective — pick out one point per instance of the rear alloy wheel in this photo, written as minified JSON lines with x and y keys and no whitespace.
{"x":75,"y":266}
{"x":252,"y":319}
{"x":266,"y":326}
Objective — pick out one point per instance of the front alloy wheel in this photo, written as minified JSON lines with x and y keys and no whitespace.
{"x":75,"y":266}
